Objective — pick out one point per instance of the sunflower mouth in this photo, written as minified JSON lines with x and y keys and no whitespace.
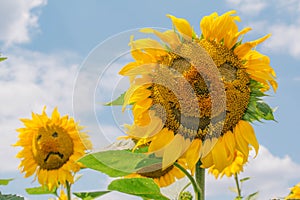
{"x":60,"y":155}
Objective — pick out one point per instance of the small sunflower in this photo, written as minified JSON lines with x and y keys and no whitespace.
{"x":295,"y":193}
{"x":51,"y":148}
{"x":193,"y":97}
{"x":235,"y":167}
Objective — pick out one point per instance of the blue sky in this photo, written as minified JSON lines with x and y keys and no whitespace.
{"x":51,"y":43}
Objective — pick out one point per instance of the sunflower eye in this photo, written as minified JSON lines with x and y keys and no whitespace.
{"x":39,"y":137}
{"x":55,"y":134}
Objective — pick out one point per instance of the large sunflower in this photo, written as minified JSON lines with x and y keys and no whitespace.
{"x":193,"y":97}
{"x":51,"y":148}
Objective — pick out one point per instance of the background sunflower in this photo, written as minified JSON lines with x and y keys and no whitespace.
{"x":51,"y":148}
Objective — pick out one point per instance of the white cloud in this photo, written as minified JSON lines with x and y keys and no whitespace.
{"x":17,"y":19}
{"x":293,"y":6}
{"x":249,"y":7}
{"x":28,"y":81}
{"x":272,"y":176}
{"x":284,"y":39}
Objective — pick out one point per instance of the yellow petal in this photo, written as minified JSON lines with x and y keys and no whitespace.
{"x":192,"y":155}
{"x":230,"y":142}
{"x":249,"y":135}
{"x":130,"y":92}
{"x":220,"y":28}
{"x":172,"y":151}
{"x":241,"y":143}
{"x":242,"y":50}
{"x":169,"y":36}
{"x":183,"y":26}
{"x":140,"y":112}
{"x":219,"y":155}
{"x":207,"y":161}
{"x":207,"y":146}
{"x":140,"y":93}
{"x":160,"y":140}
{"x":233,"y":41}
{"x":127,"y":68}
{"x":144,"y":44}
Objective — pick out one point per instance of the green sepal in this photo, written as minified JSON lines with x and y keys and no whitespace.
{"x":142,"y":187}
{"x":257,"y":110}
{"x":265,"y":110}
{"x":90,"y":195}
{"x":118,"y":101}
{"x":5,"y":181}
{"x":245,"y":179}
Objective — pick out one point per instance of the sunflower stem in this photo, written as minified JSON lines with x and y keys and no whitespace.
{"x":68,"y":190}
{"x":237,"y":185}
{"x":196,"y":187}
{"x":200,"y":179}
{"x":185,"y":187}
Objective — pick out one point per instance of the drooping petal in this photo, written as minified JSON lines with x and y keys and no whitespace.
{"x":192,"y":155}
{"x":173,"y":151}
{"x":241,"y":143}
{"x":229,"y":141}
{"x":249,"y":134}
{"x":160,"y":140}
{"x":219,"y":155}
{"x":207,"y":161}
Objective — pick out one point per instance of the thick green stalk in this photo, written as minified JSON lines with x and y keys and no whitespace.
{"x":68,"y":190}
{"x":200,"y":179}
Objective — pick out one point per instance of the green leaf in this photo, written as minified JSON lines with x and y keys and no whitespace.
{"x":142,"y":187}
{"x":2,"y":58}
{"x":10,"y":197}
{"x":39,"y":190}
{"x":5,"y":181}
{"x":245,"y":179}
{"x":252,"y":196}
{"x":117,"y":163}
{"x":90,"y":195}
{"x":143,"y":149}
{"x":117,"y":102}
